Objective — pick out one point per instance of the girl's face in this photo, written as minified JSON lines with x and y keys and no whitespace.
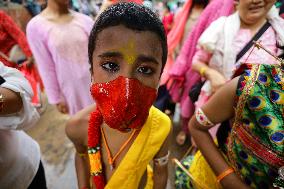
{"x":251,"y":11}
{"x":124,"y":52}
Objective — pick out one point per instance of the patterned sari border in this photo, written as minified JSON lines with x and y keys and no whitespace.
{"x":258,"y":149}
{"x":240,"y":106}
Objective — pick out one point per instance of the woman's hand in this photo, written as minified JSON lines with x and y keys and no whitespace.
{"x":30,"y":62}
{"x":216,"y":79}
{"x":62,"y":107}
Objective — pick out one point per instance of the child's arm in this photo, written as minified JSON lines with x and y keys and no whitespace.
{"x":77,"y":132}
{"x":219,"y":108}
{"x":161,"y":169}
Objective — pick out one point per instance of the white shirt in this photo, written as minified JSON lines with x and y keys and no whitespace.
{"x":19,"y":153}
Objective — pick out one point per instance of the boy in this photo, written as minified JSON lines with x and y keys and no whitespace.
{"x":127,"y":52}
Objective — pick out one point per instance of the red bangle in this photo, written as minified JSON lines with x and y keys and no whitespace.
{"x":85,"y":187}
{"x":224,"y":174}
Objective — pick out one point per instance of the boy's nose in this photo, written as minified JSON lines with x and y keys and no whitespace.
{"x":128,"y":71}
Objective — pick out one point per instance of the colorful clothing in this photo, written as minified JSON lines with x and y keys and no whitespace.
{"x":11,"y":35}
{"x":11,"y":38}
{"x":182,"y":66}
{"x":61,"y":52}
{"x":242,"y":38}
{"x":167,"y":21}
{"x":201,"y":172}
{"x":149,"y":141}
{"x":175,"y":37}
{"x":256,"y":148}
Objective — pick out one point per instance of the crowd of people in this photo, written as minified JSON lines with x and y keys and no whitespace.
{"x":122,"y":70}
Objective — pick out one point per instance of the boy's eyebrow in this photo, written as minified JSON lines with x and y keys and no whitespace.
{"x":145,"y":58}
{"x":110,"y":54}
{"x":140,"y":58}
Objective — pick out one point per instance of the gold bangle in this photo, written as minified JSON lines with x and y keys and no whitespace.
{"x":225,"y":173}
{"x":1,"y":102}
{"x":202,"y":71}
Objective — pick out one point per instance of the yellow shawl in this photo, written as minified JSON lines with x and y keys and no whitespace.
{"x":149,"y":141}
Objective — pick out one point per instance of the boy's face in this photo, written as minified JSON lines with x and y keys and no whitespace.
{"x":125,"y":52}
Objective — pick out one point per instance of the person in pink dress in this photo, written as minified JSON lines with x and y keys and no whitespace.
{"x":180,"y":72}
{"x":58,"y":38}
{"x":218,"y":46}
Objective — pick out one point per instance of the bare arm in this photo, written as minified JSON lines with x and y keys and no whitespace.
{"x":161,"y":171}
{"x":77,"y":132}
{"x":12,"y":101}
{"x":216,"y":79}
{"x":217,"y":110}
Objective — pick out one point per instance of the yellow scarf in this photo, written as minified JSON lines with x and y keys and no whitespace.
{"x":149,"y":141}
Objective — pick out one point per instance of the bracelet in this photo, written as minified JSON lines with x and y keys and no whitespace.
{"x":225,"y":173}
{"x":162,"y":160}
{"x":202,"y":119}
{"x":1,"y":102}
{"x":84,"y":187}
{"x":202,"y":71}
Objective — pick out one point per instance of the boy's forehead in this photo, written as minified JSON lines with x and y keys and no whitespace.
{"x":119,"y":37}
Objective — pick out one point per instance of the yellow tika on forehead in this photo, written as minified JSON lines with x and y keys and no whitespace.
{"x":129,"y":51}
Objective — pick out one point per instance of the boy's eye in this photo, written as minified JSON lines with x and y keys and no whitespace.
{"x":145,"y":70}
{"x":110,"y":66}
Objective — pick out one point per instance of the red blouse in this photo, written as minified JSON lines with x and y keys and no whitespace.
{"x":10,"y":35}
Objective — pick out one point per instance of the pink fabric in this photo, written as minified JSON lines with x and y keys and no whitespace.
{"x":182,"y":66}
{"x":175,"y":36}
{"x":167,"y":21}
{"x":61,"y":52}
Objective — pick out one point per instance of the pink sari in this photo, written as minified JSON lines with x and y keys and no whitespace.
{"x":175,"y":36}
{"x":181,"y":69}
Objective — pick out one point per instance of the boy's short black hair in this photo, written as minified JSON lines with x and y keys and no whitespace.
{"x":132,"y":16}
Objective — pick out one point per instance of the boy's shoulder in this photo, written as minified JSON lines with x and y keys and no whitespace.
{"x":160,"y":118}
{"x":77,"y":126}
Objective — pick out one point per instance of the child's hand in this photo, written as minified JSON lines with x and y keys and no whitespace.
{"x":62,"y":107}
{"x":216,"y":79}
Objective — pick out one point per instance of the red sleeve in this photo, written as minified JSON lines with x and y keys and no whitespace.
{"x":15,"y":32}
{"x":171,"y":18}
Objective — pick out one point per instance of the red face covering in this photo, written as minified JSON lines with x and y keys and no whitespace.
{"x":124,"y":103}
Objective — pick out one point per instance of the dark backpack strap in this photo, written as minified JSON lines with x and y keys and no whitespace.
{"x":255,"y":38}
{"x":2,"y":80}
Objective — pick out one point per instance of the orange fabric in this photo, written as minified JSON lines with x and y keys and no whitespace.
{"x":177,"y":31}
{"x":175,"y":36}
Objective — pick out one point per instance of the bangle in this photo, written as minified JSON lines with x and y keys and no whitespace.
{"x":202,"y":119}
{"x":84,"y":187}
{"x":225,"y":173}
{"x":202,"y":71}
{"x":1,"y":102}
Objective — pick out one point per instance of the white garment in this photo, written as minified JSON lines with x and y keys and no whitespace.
{"x":19,"y":153}
{"x":218,"y":39}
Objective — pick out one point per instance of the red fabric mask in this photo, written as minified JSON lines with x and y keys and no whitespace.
{"x":124,"y":103}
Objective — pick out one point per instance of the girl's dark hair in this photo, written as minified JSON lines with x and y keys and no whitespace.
{"x":132,"y":16}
